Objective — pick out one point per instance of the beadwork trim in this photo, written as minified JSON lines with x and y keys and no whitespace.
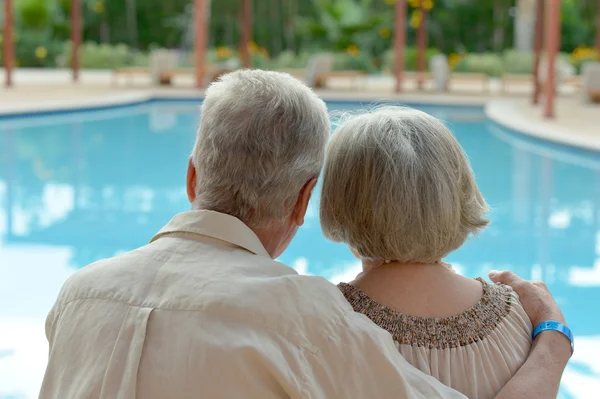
{"x":468,"y":327}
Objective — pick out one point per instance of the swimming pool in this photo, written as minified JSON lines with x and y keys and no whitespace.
{"x":77,"y":187}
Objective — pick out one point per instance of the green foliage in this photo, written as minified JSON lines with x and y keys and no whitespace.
{"x":287,"y":59}
{"x":489,"y":63}
{"x":358,"y":32}
{"x":410,"y":58}
{"x":517,"y":62}
{"x":260,"y":61}
{"x":521,"y":62}
{"x":574,"y":29}
{"x":33,"y":14}
{"x":339,"y":25}
{"x":104,"y":56}
{"x":360,"y":62}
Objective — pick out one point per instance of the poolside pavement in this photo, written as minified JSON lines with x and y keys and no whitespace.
{"x":577,"y":123}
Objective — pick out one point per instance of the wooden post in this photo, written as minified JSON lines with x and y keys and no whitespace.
{"x":75,"y":37}
{"x":538,"y":42}
{"x":9,"y":51}
{"x":246,"y":32}
{"x":552,"y":46}
{"x":200,"y":40}
{"x":421,"y":48}
{"x":399,"y":42}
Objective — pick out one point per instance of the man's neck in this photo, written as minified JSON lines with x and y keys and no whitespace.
{"x":271,"y":237}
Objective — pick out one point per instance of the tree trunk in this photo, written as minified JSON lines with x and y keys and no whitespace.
{"x":274,"y":22}
{"x":422,"y":34}
{"x":498,"y":26}
{"x":105,"y":32}
{"x":290,"y":36}
{"x":132,"y":29}
{"x":246,"y":36}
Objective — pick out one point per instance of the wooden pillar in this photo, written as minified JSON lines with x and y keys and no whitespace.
{"x":552,"y":47}
{"x":421,"y":48}
{"x":76,"y":34}
{"x":246,"y":36}
{"x":538,"y":42}
{"x":9,"y":51}
{"x":399,"y":42}
{"x":200,"y":39}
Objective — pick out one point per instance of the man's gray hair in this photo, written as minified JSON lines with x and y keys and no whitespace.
{"x":262,"y":136}
{"x":397,"y":186}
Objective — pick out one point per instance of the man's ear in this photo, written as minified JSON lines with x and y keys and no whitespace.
{"x":303,"y":200}
{"x":191,"y":181}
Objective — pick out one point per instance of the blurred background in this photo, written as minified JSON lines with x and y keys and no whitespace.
{"x":492,"y":36}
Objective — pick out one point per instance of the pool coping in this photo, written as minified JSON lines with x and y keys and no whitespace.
{"x":501,"y":111}
{"x":497,"y":111}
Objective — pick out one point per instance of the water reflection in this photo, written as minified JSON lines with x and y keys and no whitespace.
{"x":80,"y":187}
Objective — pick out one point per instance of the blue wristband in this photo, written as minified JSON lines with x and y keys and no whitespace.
{"x":554,"y":326}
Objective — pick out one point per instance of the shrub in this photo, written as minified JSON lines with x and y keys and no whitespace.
{"x":517,"y":62}
{"x":582,"y":55}
{"x":104,"y":56}
{"x":521,"y":62}
{"x":410,"y":58}
{"x":489,"y":63}
{"x":288,"y":59}
{"x":359,"y":62}
{"x":35,"y":49}
{"x":260,"y":61}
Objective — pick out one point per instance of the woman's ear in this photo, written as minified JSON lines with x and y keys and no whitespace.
{"x":191,"y":181}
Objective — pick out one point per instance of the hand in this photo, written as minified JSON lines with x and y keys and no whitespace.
{"x":540,"y":306}
{"x":534,"y":296}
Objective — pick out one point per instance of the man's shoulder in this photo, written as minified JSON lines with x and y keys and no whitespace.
{"x":107,"y":277}
{"x":250,"y":289}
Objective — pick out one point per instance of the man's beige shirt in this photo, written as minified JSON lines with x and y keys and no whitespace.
{"x":204,"y":312}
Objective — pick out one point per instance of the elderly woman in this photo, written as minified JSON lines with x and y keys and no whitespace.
{"x":399,"y":191}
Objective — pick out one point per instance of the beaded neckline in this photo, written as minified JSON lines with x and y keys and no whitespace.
{"x":470,"y":326}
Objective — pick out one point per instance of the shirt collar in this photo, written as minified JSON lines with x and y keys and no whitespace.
{"x":216,"y":225}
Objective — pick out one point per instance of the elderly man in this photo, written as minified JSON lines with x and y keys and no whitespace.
{"x":205,"y":311}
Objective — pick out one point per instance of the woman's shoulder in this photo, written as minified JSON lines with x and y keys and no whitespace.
{"x":497,"y":312}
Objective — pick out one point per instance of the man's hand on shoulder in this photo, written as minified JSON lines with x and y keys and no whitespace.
{"x":540,"y":306}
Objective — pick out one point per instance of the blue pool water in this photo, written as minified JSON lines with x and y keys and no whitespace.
{"x":77,"y":187}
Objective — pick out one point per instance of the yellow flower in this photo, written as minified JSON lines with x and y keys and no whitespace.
{"x":41,"y":52}
{"x":263,"y":51}
{"x":223,"y":53}
{"x":415,"y":19}
{"x":252,"y":48}
{"x":385,"y":32}
{"x":427,"y":5}
{"x":353,"y":50}
{"x":414,"y":3}
{"x":453,"y":59}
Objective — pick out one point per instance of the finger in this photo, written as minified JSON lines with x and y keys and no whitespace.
{"x":506,"y":277}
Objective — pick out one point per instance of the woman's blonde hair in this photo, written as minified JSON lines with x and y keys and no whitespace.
{"x":397,"y":186}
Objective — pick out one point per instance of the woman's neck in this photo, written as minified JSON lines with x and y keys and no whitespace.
{"x":427,"y":290}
